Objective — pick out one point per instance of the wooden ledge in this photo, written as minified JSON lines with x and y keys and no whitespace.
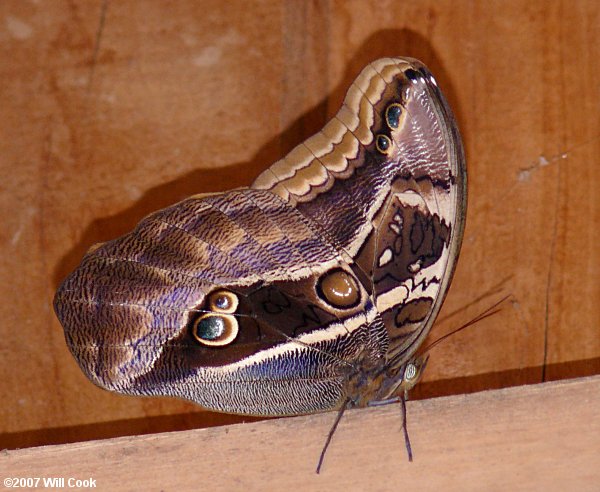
{"x":538,"y":437}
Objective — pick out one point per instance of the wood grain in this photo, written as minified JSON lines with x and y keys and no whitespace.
{"x":111,"y":110}
{"x":537,"y":437}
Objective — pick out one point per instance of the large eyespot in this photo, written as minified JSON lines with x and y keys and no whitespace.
{"x":383,"y":144}
{"x":223,"y":301}
{"x":392,"y":115}
{"x":339,"y":289}
{"x":215,"y":330}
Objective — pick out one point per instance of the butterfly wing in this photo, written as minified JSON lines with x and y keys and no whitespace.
{"x":385,"y":180}
{"x":299,"y":256}
{"x":132,"y":309}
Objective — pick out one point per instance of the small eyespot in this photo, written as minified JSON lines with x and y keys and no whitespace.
{"x":339,"y":289}
{"x":383,"y":144}
{"x":223,"y":301}
{"x":392,"y":115}
{"x":215,"y":330}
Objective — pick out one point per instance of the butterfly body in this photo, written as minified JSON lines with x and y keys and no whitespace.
{"x":309,"y":290}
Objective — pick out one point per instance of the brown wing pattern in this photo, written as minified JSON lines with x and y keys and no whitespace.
{"x":264,"y":300}
{"x":399,"y":214}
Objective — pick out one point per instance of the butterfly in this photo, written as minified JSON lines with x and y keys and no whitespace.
{"x":310,"y":290}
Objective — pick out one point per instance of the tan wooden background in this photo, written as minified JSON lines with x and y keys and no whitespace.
{"x":542,"y":437}
{"x":110,"y":110}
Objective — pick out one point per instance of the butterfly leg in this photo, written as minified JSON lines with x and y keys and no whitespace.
{"x":331,"y":432}
{"x":402,"y":399}
{"x":405,"y":428}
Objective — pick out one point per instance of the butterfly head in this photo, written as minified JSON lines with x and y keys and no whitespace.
{"x":412,"y":372}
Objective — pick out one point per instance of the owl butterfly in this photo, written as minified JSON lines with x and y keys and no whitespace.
{"x":310,"y":290}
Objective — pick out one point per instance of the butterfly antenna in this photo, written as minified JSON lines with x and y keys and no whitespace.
{"x":490,"y":311}
{"x":331,"y":433}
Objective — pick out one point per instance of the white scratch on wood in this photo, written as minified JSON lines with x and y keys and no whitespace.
{"x":17,"y":28}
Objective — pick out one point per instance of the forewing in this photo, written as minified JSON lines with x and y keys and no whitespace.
{"x":385,"y":180}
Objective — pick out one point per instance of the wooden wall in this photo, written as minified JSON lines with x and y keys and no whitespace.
{"x":110,"y":110}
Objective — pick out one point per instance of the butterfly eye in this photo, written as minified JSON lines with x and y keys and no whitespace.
{"x":392,"y":115}
{"x":215,"y":330}
{"x":223,"y":301}
{"x":411,"y":372}
{"x":383,"y":144}
{"x":339,"y":289}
